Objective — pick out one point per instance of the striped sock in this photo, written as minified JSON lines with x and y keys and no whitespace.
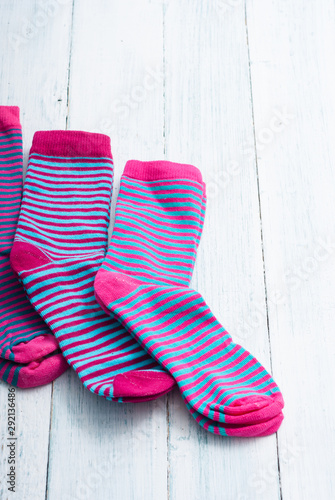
{"x":59,"y":246}
{"x":142,"y":282}
{"x":25,"y":341}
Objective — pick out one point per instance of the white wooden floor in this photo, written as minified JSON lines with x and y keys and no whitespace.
{"x":245,"y":91}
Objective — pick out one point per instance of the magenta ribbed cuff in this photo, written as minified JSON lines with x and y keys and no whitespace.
{"x":71,"y":143}
{"x":159,"y":170}
{"x":9,"y":117}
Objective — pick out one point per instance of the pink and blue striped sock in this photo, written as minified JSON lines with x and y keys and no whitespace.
{"x":27,"y":347}
{"x":59,"y":246}
{"x":143,"y":283}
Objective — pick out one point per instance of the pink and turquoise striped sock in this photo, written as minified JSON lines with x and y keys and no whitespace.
{"x":143,"y":283}
{"x":27,"y":347}
{"x":59,"y":246}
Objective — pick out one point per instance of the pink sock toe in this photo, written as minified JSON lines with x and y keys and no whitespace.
{"x":247,"y":404}
{"x":258,"y":430}
{"x":40,"y":346}
{"x":253,"y":409}
{"x":42,"y":372}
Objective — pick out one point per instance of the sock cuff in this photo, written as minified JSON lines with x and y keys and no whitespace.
{"x":71,"y":143}
{"x":9,"y":117}
{"x":159,"y":170}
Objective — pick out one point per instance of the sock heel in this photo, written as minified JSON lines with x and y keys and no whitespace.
{"x":25,"y":256}
{"x":143,"y":384}
{"x":110,"y":286}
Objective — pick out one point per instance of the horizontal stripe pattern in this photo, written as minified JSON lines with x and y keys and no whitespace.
{"x":178,"y":329}
{"x":9,"y":372}
{"x":95,"y":345}
{"x":19,"y":323}
{"x":157,"y":230}
{"x":65,"y":215}
{"x":65,"y":207}
{"x":10,"y":185}
{"x":154,"y":240}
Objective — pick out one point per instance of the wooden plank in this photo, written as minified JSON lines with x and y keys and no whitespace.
{"x":209,"y":123}
{"x":293,"y":78}
{"x":33,"y":76}
{"x":112,"y":451}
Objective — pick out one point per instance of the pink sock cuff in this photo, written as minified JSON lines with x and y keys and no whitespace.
{"x":9,"y":117}
{"x":159,"y":170}
{"x":71,"y":143}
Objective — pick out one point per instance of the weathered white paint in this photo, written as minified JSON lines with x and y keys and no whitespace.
{"x":291,"y":67}
{"x":33,"y":69}
{"x":208,"y":122}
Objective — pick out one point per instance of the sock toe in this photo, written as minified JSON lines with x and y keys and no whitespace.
{"x":42,"y":372}
{"x":247,"y":405}
{"x":253,"y":409}
{"x":40,"y":346}
{"x":260,"y":429}
{"x":142,"y":384}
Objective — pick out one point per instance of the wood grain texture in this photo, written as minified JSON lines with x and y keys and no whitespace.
{"x":291,"y":69}
{"x":33,"y":72}
{"x":208,"y":122}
